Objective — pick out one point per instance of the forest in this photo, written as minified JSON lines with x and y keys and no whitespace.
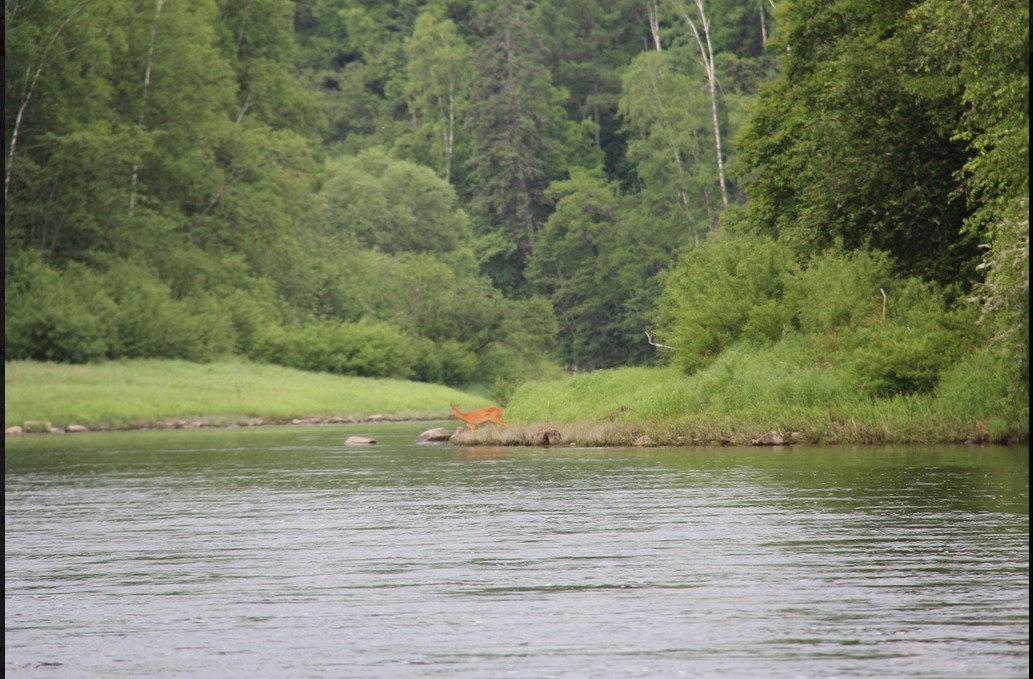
{"x":482,"y":192}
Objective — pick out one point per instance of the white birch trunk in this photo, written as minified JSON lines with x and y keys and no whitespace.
{"x":763,"y":28}
{"x":707,"y":56}
{"x":654,"y":24}
{"x":27,"y":97}
{"x":450,"y":128}
{"x":143,"y":102}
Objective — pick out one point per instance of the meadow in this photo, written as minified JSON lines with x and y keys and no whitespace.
{"x":145,"y":393}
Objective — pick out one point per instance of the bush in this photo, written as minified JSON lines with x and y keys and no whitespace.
{"x":908,"y":345}
{"x":77,"y":314}
{"x":149,"y":322}
{"x":55,"y":316}
{"x":723,"y":290}
{"x":890,"y":335}
{"x":366,"y":348}
{"x":443,"y":362}
{"x":838,"y":290}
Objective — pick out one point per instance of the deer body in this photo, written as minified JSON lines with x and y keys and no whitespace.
{"x":491,"y":414}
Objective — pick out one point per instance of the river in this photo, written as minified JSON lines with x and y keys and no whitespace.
{"x":281,"y":552}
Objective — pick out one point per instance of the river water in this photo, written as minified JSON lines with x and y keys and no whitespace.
{"x":280,"y":552}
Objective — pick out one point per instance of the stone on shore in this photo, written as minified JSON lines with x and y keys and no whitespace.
{"x":772,"y":438}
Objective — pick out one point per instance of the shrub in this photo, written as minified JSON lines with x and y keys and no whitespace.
{"x":719,"y":292}
{"x":54,"y":316}
{"x":836,"y":290}
{"x":906,"y":349}
{"x":147,"y":322}
{"x":366,"y":348}
{"x":444,"y":362}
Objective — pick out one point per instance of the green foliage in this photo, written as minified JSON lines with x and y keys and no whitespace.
{"x":515,"y":120}
{"x":440,"y":70}
{"x":897,"y":359}
{"x":598,"y":272}
{"x":845,"y":147}
{"x":888,"y":335}
{"x":721,"y":292}
{"x":79,"y":315}
{"x":977,"y":387}
{"x":365,"y":349}
{"x":586,"y":46}
{"x":391,"y":205}
{"x":896,"y":336}
{"x":444,"y":362}
{"x":53,"y":317}
{"x":1004,"y":295}
{"x":838,"y":290}
{"x":981,"y":57}
{"x":666,"y":111}
{"x":747,"y":392}
{"x":148,"y":323}
{"x":775,"y":383}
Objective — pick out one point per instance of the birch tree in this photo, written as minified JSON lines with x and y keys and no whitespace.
{"x":147,"y":75}
{"x":439,"y":68}
{"x":666,"y":115}
{"x":700,"y":27}
{"x":33,"y":72}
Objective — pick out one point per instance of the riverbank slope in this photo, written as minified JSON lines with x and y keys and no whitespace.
{"x":146,"y":394}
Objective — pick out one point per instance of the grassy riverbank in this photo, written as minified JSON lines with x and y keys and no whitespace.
{"x":147,"y":393}
{"x":739,"y":398}
{"x":746,"y":394}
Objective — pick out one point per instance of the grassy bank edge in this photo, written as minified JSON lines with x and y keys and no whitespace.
{"x":759,"y":396}
{"x":148,"y":394}
{"x":727,"y":405}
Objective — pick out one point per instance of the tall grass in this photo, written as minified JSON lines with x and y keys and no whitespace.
{"x":747,"y":392}
{"x":140,"y":392}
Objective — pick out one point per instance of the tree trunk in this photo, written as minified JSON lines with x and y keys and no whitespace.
{"x":451,"y":128}
{"x":654,"y":24}
{"x":28,"y":96}
{"x":707,"y":56}
{"x":143,"y":102}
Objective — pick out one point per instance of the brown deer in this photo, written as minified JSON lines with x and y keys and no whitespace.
{"x":491,"y":415}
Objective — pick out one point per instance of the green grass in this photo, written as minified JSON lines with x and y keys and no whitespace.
{"x":127,"y":394}
{"x":749,"y":392}
{"x":744,"y":394}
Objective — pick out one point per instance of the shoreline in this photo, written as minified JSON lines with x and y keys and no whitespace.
{"x":547,"y":435}
{"x":584,"y":434}
{"x":30,"y":427}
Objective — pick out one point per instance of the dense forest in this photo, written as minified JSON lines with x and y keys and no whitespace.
{"x":480,"y":191}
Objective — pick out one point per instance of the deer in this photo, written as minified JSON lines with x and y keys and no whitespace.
{"x":491,"y":415}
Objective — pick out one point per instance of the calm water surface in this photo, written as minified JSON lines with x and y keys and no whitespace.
{"x":282,"y":553}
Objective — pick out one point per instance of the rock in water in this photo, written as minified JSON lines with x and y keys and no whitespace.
{"x":434,"y":435}
{"x":359,"y":441}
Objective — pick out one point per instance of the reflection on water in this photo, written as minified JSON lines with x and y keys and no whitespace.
{"x":282,"y":553}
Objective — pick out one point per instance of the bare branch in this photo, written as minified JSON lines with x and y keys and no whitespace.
{"x":657,"y":345}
